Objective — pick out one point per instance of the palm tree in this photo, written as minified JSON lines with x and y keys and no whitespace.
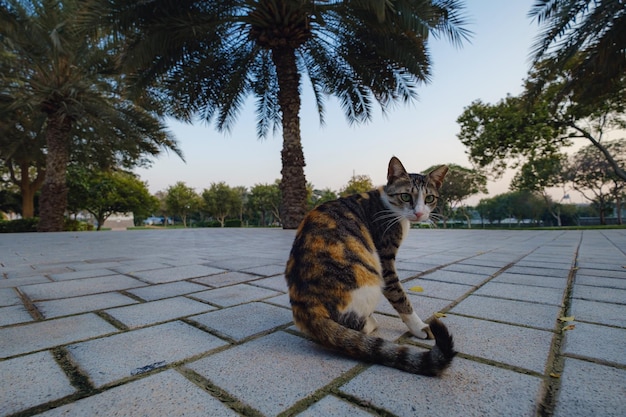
{"x":587,"y":38}
{"x":69,"y":76}
{"x":207,"y":56}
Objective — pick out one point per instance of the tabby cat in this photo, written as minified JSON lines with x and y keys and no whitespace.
{"x":343,"y":257}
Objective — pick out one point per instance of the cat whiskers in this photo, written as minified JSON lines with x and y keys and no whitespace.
{"x":389,"y":218}
{"x":433,"y":219}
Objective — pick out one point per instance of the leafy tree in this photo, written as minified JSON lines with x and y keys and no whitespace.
{"x":266,"y":199}
{"x":357,"y":184}
{"x":540,"y":174}
{"x":221,"y":201}
{"x":21,"y":152}
{"x":211,"y":54}
{"x":459,"y":184}
{"x":321,"y":196}
{"x":585,"y":37}
{"x":103,"y":193}
{"x":69,"y":76}
{"x":589,"y":174}
{"x":181,"y":200}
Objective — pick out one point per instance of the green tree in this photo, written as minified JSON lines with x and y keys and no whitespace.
{"x":459,"y":184}
{"x":221,"y":201}
{"x":357,"y":184}
{"x":103,"y":193}
{"x":586,"y":38}
{"x":321,"y":196}
{"x":265,"y":199}
{"x":211,"y":54}
{"x":181,"y":200}
{"x":70,"y":77}
{"x":589,"y":174}
{"x":22,"y":153}
{"x":540,"y":174}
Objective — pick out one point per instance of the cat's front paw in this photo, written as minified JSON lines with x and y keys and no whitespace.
{"x":416,"y":326}
{"x":424,"y":333}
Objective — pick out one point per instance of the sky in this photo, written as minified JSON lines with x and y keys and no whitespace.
{"x":421,"y":134}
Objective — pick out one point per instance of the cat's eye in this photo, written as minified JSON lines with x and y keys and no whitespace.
{"x":429,"y":199}
{"x":405,"y":197}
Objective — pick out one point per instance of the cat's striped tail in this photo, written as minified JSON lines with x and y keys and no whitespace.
{"x":377,"y":350}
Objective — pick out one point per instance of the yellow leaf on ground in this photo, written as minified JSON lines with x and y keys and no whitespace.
{"x":440,"y":315}
{"x":569,"y":327}
{"x":569,"y":318}
{"x":555,"y":375}
{"x":417,"y":288}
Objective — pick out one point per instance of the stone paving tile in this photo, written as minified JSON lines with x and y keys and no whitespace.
{"x":165,"y":394}
{"x":282,"y":300}
{"x":78,"y":287}
{"x":9,"y":297}
{"x":522,"y":292}
{"x":603,"y":273}
{"x":90,"y":273}
{"x":245,"y":320}
{"x":31,"y":380}
{"x":46,"y":334}
{"x":542,"y":272}
{"x":131,"y":268}
{"x":172,"y":289}
{"x":471,"y":269}
{"x":18,"y":282}
{"x":534,"y":280}
{"x":513,"y":345}
{"x":596,"y":281}
{"x":485,"y":262}
{"x":601,"y":313}
{"x":334,"y":407}
{"x":611,"y":295}
{"x":240,"y":263}
{"x":423,"y":306}
{"x":177,"y":273}
{"x":542,"y":316}
{"x":235,"y":294}
{"x":596,"y":267}
{"x":466,"y":389}
{"x":590,"y":390}
{"x":293,"y":367}
{"x":438,"y":289}
{"x":266,"y":270}
{"x":152,"y":312}
{"x":544,"y":264}
{"x":226,"y":279}
{"x":132,"y":353}
{"x":455,"y":277}
{"x":415,"y":266}
{"x":597,"y":342}
{"x":276,"y":283}
{"x":13,"y":315}
{"x":68,"y":306}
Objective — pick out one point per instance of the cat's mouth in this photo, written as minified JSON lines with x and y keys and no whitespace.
{"x":418,"y":217}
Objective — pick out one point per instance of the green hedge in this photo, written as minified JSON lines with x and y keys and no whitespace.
{"x":19,"y":225}
{"x":30,"y":225}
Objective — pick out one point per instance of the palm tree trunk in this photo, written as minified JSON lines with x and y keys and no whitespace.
{"x":53,"y":199}
{"x":293,"y":184}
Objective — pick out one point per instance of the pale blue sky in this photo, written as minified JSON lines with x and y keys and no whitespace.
{"x":421,"y":134}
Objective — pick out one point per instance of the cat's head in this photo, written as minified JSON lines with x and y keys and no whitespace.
{"x":412,"y":196}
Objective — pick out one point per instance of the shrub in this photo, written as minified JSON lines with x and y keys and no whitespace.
{"x":19,"y":225}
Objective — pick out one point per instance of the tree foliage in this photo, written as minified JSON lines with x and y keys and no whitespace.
{"x":68,"y":76}
{"x":181,"y":200}
{"x":207,"y":56}
{"x":103,"y":193}
{"x":221,"y":201}
{"x":265,"y":199}
{"x":357,"y":184}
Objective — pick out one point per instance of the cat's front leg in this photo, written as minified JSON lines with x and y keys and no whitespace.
{"x":394,"y":292}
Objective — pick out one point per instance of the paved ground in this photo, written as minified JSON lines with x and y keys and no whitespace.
{"x":196,"y":323}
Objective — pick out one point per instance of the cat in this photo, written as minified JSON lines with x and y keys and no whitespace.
{"x":343,"y":259}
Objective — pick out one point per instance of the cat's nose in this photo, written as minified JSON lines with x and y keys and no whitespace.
{"x":419,"y":215}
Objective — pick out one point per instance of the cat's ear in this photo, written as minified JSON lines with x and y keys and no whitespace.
{"x":437,"y":175}
{"x":396,"y":170}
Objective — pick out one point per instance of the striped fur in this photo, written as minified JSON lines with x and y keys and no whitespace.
{"x":343,"y":260}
